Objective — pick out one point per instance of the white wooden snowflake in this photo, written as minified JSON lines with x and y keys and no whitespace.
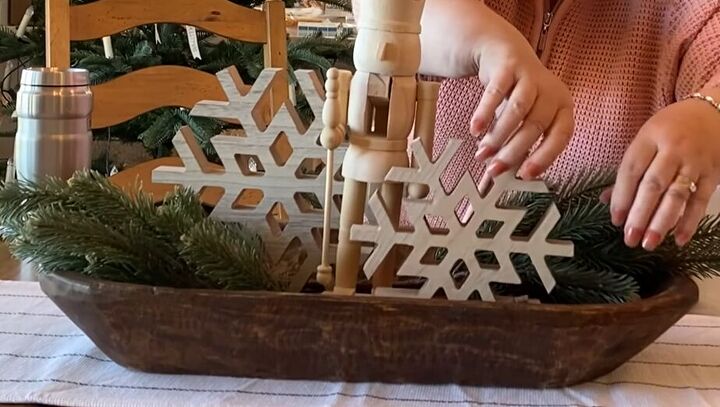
{"x":268,"y":174}
{"x":460,"y":240}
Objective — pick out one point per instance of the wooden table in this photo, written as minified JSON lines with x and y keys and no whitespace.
{"x":10,"y":270}
{"x":9,"y":267}
{"x":62,"y":367}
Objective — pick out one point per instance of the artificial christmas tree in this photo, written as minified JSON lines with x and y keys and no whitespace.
{"x":168,"y":44}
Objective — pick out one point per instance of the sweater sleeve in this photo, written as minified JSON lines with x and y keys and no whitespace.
{"x":700,"y":66}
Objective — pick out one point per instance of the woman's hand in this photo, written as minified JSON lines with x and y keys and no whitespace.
{"x":462,"y":38}
{"x":668,"y":174}
{"x":522,"y":101}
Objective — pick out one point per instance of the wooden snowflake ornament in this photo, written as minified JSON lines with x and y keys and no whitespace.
{"x":459,"y":239}
{"x":264,"y":175}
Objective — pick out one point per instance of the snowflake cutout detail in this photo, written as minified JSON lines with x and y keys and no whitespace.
{"x":460,"y":239}
{"x":266,"y":176}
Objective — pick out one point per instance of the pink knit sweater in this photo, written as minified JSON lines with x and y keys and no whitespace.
{"x":623,"y":60}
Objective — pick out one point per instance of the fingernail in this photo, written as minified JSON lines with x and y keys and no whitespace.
{"x":682,"y":239}
{"x":618,"y":216}
{"x":606,"y":196}
{"x":477,"y":126}
{"x":497,"y":168}
{"x":484,"y":152}
{"x":530,"y":170}
{"x":651,"y":241}
{"x":485,"y":186}
{"x":633,"y":236}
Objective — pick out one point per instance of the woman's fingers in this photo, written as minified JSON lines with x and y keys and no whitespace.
{"x":557,"y":136}
{"x":695,"y":210}
{"x":486,"y":183}
{"x":515,"y":111}
{"x":671,"y":208}
{"x":521,"y":102}
{"x":651,"y":188}
{"x":543,"y":118}
{"x":495,"y":93}
{"x":606,"y":195}
{"x":517,"y":149}
{"x":636,"y":161}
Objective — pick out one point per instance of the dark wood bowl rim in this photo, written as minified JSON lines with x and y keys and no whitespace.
{"x":678,"y":289}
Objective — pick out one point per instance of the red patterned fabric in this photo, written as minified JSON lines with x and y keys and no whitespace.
{"x":623,"y":60}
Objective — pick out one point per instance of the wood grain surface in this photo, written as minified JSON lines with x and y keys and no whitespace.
{"x":137,"y":92}
{"x":9,"y":267}
{"x":363,"y":339}
{"x":106,"y":17}
{"x":57,"y":33}
{"x":140,"y":91}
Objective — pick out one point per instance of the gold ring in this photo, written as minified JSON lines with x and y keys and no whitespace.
{"x":686,"y":182}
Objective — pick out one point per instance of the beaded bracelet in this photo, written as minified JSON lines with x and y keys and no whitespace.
{"x":708,"y":99}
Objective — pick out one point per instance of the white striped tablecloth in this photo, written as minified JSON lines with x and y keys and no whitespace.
{"x":45,"y":359}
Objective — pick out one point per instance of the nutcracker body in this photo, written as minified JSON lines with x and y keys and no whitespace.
{"x":382,"y":101}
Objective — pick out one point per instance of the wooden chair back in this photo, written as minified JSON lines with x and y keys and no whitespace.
{"x":132,"y":94}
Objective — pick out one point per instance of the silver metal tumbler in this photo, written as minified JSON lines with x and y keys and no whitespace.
{"x":53,"y":116}
{"x":53,"y":135}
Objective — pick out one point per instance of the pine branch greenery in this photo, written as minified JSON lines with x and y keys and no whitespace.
{"x":91,"y":226}
{"x":603,"y":269}
{"x":212,"y":249}
{"x":700,"y":256}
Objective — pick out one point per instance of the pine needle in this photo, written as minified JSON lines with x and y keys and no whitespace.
{"x":161,"y":131}
{"x":117,"y":252}
{"x":701,"y":257}
{"x":577,"y":283}
{"x":603,"y":268}
{"x":19,"y":200}
{"x":343,"y":4}
{"x":90,"y":226}
{"x":237,"y":263}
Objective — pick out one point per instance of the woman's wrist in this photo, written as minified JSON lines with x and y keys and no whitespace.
{"x":705,"y":98}
{"x":452,"y":33}
{"x":709,"y":97}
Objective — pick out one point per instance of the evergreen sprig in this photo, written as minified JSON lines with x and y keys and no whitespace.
{"x":604,"y":269}
{"x":91,"y":226}
{"x":212,"y":248}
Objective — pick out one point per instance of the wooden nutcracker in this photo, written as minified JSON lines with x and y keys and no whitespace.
{"x":333,"y":134}
{"x":381,"y":112}
{"x":427,"y":98}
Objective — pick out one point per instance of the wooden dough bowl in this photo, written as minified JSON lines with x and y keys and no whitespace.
{"x":362,"y":338}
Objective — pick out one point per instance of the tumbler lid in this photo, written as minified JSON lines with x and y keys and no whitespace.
{"x":55,"y":77}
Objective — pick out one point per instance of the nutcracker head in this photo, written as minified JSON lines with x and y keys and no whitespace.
{"x":388,"y":39}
